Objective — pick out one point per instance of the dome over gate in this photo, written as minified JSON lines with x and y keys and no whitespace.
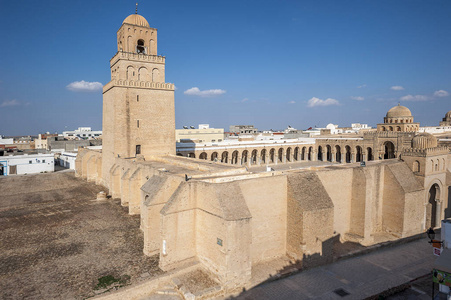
{"x":136,"y":19}
{"x":424,"y":141}
{"x":448,"y":116}
{"x":399,"y":111}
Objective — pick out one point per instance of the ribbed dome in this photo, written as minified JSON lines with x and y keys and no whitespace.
{"x":424,"y":141}
{"x":136,"y":19}
{"x":399,"y":111}
{"x":448,"y":115}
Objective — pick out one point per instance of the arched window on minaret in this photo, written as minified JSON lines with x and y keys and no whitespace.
{"x":155,"y":75}
{"x":151,"y":47}
{"x":140,"y":47}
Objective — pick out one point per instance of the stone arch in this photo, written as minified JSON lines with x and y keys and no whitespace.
{"x":369,"y":153}
{"x":416,"y":166}
{"x":244,"y":156}
{"x":328,"y":153}
{"x":263,"y":155}
{"x":280,"y":155}
{"x":398,"y":128}
{"x":151,"y":46}
{"x":296,"y":154}
{"x":337,"y":153}
{"x":140,"y":47}
{"x":433,"y":205}
{"x":254,"y":156}
{"x":192,"y":155}
{"x":358,"y":154}
{"x":272,"y":154}
{"x":235,"y":157}
{"x":203,"y":155}
{"x":310,"y":153}
{"x":437,"y":165}
{"x":320,"y":153}
{"x":143,"y":74}
{"x":303,"y":153}
{"x":390,"y":128}
{"x":288,"y":154}
{"x":155,"y":75}
{"x":129,"y":43}
{"x":348,"y":154}
{"x":225,"y":157}
{"x":130,"y":73}
{"x":179,"y":154}
{"x":214,"y":156}
{"x":383,"y":128}
{"x":389,"y":150}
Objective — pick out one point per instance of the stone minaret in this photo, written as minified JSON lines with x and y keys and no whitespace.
{"x":138,"y":106}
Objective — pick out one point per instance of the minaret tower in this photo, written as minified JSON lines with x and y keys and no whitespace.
{"x":138,"y":106}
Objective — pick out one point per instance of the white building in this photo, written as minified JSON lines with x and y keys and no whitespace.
{"x":6,"y":141}
{"x":204,"y":134}
{"x":67,"y":160}
{"x":358,"y":126}
{"x":26,"y":164}
{"x":82,"y":133}
{"x":435,"y":129}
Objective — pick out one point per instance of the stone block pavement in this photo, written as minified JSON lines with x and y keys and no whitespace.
{"x":359,"y":277}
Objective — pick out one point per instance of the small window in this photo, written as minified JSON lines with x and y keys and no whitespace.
{"x":43,"y":161}
{"x":138,"y":149}
{"x":137,"y":123}
{"x":137,"y":98}
{"x":30,"y":162}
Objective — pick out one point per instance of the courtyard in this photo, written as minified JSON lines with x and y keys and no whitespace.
{"x":57,"y":240}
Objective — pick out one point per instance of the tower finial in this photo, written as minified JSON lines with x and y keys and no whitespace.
{"x":136,"y":11}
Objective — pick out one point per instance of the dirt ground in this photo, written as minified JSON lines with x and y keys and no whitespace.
{"x":56,"y":240}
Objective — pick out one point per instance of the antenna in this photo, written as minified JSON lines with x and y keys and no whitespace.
{"x":136,"y":11}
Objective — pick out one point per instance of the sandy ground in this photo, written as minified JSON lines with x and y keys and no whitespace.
{"x":56,"y":240}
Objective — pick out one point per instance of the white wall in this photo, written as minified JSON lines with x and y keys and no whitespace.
{"x":437,"y":129}
{"x":67,"y":160}
{"x":39,"y":163}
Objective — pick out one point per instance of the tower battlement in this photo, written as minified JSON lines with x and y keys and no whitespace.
{"x":139,"y":57}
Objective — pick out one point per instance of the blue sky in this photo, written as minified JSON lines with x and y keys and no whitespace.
{"x":273,"y":63}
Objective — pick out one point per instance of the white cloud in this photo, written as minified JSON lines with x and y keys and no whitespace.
{"x":319,"y":102}
{"x":8,"y":103}
{"x":194,"y":91}
{"x":84,"y":86}
{"x":245,"y":99}
{"x":358,"y":98}
{"x":292,"y":102}
{"x":361,"y":86}
{"x":441,"y":93}
{"x":397,"y":88}
{"x":415,"y":98}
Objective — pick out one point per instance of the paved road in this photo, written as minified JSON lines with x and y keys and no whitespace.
{"x":357,"y":277}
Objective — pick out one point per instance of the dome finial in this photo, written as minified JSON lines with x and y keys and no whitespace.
{"x":136,"y":11}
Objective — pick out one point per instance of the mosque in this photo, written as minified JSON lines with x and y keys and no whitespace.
{"x":230,"y":218}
